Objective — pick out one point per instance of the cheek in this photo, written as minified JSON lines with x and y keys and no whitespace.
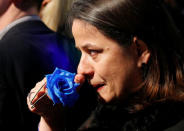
{"x":113,"y":72}
{"x":109,"y":68}
{"x":121,"y":76}
{"x":129,"y":80}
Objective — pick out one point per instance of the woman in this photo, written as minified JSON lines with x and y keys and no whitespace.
{"x":132,"y":54}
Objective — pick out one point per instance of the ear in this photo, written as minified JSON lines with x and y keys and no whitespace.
{"x":143,"y":52}
{"x":45,"y":2}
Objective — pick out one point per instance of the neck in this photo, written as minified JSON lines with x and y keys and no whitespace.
{"x":13,"y":13}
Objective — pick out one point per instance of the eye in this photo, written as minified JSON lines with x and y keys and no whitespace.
{"x":93,"y":52}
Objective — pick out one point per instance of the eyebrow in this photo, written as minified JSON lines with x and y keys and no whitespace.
{"x":87,"y":46}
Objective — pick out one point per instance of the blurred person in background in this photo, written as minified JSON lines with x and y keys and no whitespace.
{"x":28,"y":51}
{"x":54,"y":14}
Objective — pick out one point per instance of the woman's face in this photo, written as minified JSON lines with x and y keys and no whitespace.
{"x":110,"y":68}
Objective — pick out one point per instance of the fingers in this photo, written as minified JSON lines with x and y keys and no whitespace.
{"x":37,"y":99}
{"x":79,"y":78}
{"x":37,"y":91}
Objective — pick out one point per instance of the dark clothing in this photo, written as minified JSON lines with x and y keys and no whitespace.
{"x":28,"y":51}
{"x":165,"y":116}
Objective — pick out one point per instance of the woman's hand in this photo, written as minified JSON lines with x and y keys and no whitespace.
{"x":52,"y":115}
{"x":38,"y":102}
{"x":79,"y":78}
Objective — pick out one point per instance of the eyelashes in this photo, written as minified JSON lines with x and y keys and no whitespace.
{"x":93,"y":52}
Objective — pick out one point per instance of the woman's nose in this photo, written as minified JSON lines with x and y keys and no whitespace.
{"x":85,"y":67}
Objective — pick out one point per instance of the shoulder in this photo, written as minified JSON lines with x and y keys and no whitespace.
{"x":27,"y":42}
{"x":159,"y":116}
{"x":27,"y":30}
{"x":26,"y":36}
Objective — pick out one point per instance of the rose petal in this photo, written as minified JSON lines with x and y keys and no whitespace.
{"x":62,"y":88}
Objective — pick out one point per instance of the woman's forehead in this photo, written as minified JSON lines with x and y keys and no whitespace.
{"x":80,"y":25}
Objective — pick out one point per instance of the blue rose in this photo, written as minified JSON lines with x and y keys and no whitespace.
{"x":62,"y":88}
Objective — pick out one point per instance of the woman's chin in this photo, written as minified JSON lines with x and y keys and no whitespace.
{"x":105,"y":98}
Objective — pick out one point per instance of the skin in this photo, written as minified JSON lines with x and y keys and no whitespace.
{"x":3,"y":6}
{"x":45,"y":2}
{"x":9,"y":12}
{"x":111,"y":69}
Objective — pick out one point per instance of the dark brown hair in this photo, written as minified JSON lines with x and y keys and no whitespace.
{"x":26,"y":4}
{"x":149,"y":20}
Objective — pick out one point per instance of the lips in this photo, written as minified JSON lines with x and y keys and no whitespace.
{"x":98,"y":86}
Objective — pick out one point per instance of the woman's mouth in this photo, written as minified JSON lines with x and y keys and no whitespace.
{"x":98,"y":87}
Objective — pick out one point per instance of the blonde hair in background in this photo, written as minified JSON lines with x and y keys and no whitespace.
{"x":54,"y":13}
